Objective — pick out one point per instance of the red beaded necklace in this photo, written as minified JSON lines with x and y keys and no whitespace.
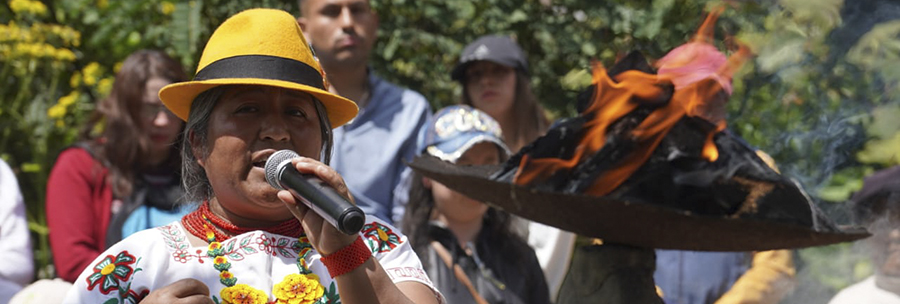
{"x":195,"y":221}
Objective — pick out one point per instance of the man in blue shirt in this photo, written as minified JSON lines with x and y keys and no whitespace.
{"x":369,"y":151}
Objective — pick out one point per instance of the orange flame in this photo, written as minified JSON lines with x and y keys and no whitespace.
{"x":699,"y":73}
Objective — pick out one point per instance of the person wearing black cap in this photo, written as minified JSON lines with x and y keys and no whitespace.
{"x":493,"y":72}
{"x":877,"y":207}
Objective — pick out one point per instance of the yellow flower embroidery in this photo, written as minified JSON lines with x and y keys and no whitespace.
{"x":108,"y":269}
{"x":298,"y":289}
{"x":225,"y":275}
{"x":243,"y":294}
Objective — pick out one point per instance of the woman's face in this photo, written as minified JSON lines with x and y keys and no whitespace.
{"x":247,"y":125}
{"x":454,"y":206}
{"x":491,"y":88}
{"x":160,"y":125}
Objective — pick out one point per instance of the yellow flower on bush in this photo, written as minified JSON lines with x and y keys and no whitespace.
{"x":243,"y":294}
{"x":167,"y":7}
{"x":90,"y":73}
{"x":67,"y":100}
{"x":102,"y":4}
{"x":105,"y":85}
{"x":298,"y":289}
{"x":75,"y":80}
{"x":65,"y":55}
{"x":5,"y":51}
{"x":56,"y":111}
{"x":48,"y":51}
{"x":26,"y":6}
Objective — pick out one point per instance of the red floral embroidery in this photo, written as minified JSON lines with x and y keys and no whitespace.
{"x":111,"y":271}
{"x":381,"y":237}
{"x":135,"y":297}
{"x":182,"y":256}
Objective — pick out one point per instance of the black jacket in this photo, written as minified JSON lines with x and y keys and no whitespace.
{"x":499,"y":275}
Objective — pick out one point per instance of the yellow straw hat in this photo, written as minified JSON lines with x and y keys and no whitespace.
{"x":258,"y":47}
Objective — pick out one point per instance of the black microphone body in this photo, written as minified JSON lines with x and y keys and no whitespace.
{"x":314,"y":193}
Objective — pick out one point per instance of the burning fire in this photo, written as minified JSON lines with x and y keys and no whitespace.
{"x":699,"y":73}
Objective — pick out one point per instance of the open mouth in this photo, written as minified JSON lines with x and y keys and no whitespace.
{"x":260,"y":160}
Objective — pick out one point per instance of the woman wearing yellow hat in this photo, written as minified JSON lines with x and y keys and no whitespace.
{"x":258,"y":90}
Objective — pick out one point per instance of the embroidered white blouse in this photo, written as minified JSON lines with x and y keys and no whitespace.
{"x":155,"y":258}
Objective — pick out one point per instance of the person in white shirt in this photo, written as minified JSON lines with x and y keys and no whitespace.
{"x":877,"y":207}
{"x":17,"y":269}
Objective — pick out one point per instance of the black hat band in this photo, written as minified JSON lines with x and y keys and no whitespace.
{"x":264,"y":67}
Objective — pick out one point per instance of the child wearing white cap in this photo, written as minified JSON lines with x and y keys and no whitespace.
{"x":450,"y":231}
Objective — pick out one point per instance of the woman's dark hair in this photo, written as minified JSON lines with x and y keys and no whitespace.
{"x":120,"y":116}
{"x":420,"y":211}
{"x":528,"y":114}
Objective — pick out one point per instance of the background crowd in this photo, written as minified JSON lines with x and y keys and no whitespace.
{"x":819,"y":97}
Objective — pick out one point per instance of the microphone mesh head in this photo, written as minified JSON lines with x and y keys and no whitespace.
{"x":274,"y":165}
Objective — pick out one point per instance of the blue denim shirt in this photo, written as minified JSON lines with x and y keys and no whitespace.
{"x":369,"y":152}
{"x":695,"y":277}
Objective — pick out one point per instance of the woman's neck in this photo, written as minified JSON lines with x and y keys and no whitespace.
{"x":464,"y":231}
{"x":233,"y":218}
{"x":510,"y":130}
{"x":156,"y":160}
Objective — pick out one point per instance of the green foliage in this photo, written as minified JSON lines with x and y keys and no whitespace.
{"x":57,"y":58}
{"x":420,"y":41}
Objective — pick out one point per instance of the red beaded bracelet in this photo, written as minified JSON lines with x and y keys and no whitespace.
{"x":347,"y":259}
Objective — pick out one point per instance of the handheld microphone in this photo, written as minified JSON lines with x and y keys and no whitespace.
{"x":314,"y":193}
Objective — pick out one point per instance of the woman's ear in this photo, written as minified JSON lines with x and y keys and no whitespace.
{"x":426,"y":182}
{"x":194,"y":150}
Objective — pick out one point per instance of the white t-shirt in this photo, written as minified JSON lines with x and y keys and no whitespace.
{"x":155,"y":258}
{"x":865,"y":292}
{"x":17,"y":268}
{"x":553,"y":248}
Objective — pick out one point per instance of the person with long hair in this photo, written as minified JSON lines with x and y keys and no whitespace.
{"x":123,"y":178}
{"x":493,"y":71}
{"x":449,"y":230}
{"x":258,"y":90}
{"x":494,"y":75}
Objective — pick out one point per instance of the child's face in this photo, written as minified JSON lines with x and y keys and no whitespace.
{"x":454,"y":206}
